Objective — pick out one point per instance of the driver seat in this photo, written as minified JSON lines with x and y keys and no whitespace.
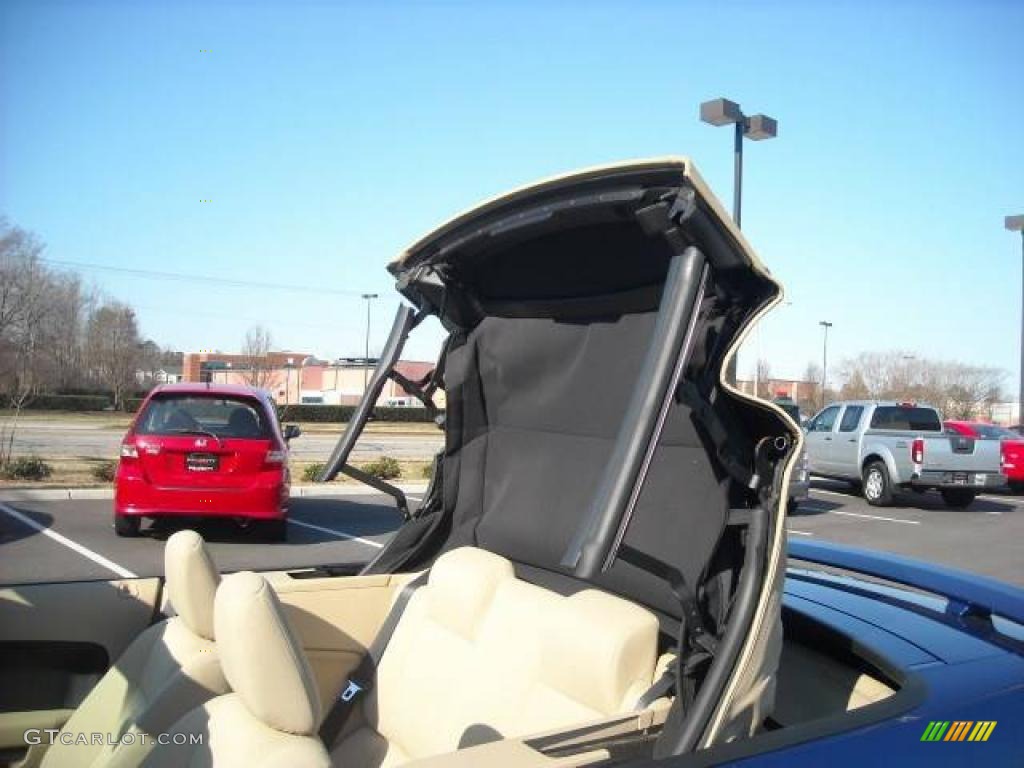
{"x":270,"y":718}
{"x":169,"y":669}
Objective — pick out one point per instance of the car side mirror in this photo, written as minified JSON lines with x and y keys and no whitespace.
{"x":291,"y":431}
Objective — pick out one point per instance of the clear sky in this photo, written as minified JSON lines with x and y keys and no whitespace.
{"x":328,"y":136}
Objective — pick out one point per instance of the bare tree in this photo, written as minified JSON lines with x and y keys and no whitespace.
{"x":854,"y":387}
{"x":112,"y":343}
{"x":149,"y":359}
{"x":809,"y":394}
{"x":63,"y":331}
{"x":972,"y":391}
{"x":256,"y":349}
{"x":24,"y":306}
{"x":23,"y":279}
{"x":52,"y":337}
{"x":957,"y":389}
{"x":171,"y":358}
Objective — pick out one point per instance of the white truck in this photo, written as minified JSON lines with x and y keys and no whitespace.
{"x":887,"y":446}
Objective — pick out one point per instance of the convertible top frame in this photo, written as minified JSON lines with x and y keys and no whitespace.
{"x":406,"y":319}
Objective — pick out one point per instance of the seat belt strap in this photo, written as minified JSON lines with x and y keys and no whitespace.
{"x":659,"y":689}
{"x":362,"y":678}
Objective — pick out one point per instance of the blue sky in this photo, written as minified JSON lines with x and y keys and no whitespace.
{"x":328,"y":136}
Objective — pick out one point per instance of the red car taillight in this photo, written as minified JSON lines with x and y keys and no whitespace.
{"x":917,"y":450}
{"x":129,"y":451}
{"x":275,"y":458}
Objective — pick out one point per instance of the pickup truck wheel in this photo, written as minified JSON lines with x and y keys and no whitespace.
{"x":877,"y":488}
{"x":956,"y":498}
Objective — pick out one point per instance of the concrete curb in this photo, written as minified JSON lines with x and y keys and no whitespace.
{"x":298,"y":491}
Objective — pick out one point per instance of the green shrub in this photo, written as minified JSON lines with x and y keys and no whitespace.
{"x":104,"y":471}
{"x":324,"y":414}
{"x":418,"y":415}
{"x":131,"y":404}
{"x":427,"y":471}
{"x":27,"y":468}
{"x":69,"y":403}
{"x":340,"y":414}
{"x":384,"y":468}
{"x":312,"y":471}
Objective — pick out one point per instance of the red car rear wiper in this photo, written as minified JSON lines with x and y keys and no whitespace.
{"x":214,"y":435}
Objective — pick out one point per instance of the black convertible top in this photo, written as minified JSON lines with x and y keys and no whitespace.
{"x":589,"y":436}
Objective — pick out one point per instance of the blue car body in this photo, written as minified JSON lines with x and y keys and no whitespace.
{"x":953,"y":641}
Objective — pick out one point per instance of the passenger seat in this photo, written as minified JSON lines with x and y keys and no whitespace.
{"x":169,"y":669}
{"x":480,"y":655}
{"x":270,"y":719}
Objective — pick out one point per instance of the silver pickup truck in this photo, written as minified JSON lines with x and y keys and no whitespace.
{"x":886,"y":446}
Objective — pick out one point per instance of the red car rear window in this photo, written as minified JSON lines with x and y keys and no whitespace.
{"x":234,"y":417}
{"x":993,"y":432}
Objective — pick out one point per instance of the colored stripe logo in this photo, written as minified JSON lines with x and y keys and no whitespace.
{"x":958,"y":730}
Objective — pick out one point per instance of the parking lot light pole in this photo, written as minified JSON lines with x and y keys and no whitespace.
{"x":1016,"y":224}
{"x":366,"y":360}
{"x":719,"y":112}
{"x":825,"y":324}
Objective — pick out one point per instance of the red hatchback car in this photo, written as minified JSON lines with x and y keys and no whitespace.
{"x":204,"y":450}
{"x":1012,"y":447}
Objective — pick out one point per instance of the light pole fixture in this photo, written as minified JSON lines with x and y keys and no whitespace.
{"x":1016,"y":224}
{"x":366,"y":360}
{"x":719,"y":112}
{"x":825,"y":324}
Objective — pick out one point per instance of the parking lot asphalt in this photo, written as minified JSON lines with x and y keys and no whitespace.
{"x":79,"y":542}
{"x":73,"y":540}
{"x":986,"y":538}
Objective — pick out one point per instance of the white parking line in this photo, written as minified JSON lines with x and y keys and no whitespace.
{"x":799,"y":533}
{"x":124,"y":573}
{"x":833,"y":493}
{"x":813,"y":508}
{"x":339,"y":534}
{"x":876,"y":517}
{"x":1003,"y":499}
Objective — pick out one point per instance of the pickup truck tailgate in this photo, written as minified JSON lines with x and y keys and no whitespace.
{"x":956,"y":453}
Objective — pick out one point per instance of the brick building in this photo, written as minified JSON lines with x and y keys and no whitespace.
{"x":295,"y":377}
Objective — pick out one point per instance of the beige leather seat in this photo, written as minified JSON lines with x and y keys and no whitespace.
{"x":480,"y":654}
{"x":270,"y":719}
{"x":168,"y":670}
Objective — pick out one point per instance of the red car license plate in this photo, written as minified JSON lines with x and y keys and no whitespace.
{"x":202,"y":462}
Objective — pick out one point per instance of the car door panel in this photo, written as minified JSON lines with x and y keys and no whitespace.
{"x":819,"y":439}
{"x":845,"y":445}
{"x":56,"y":642}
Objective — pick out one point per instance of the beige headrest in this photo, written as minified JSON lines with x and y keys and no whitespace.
{"x":263,"y":662}
{"x":600,"y":650}
{"x":192,"y":581}
{"x":462,"y":585}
